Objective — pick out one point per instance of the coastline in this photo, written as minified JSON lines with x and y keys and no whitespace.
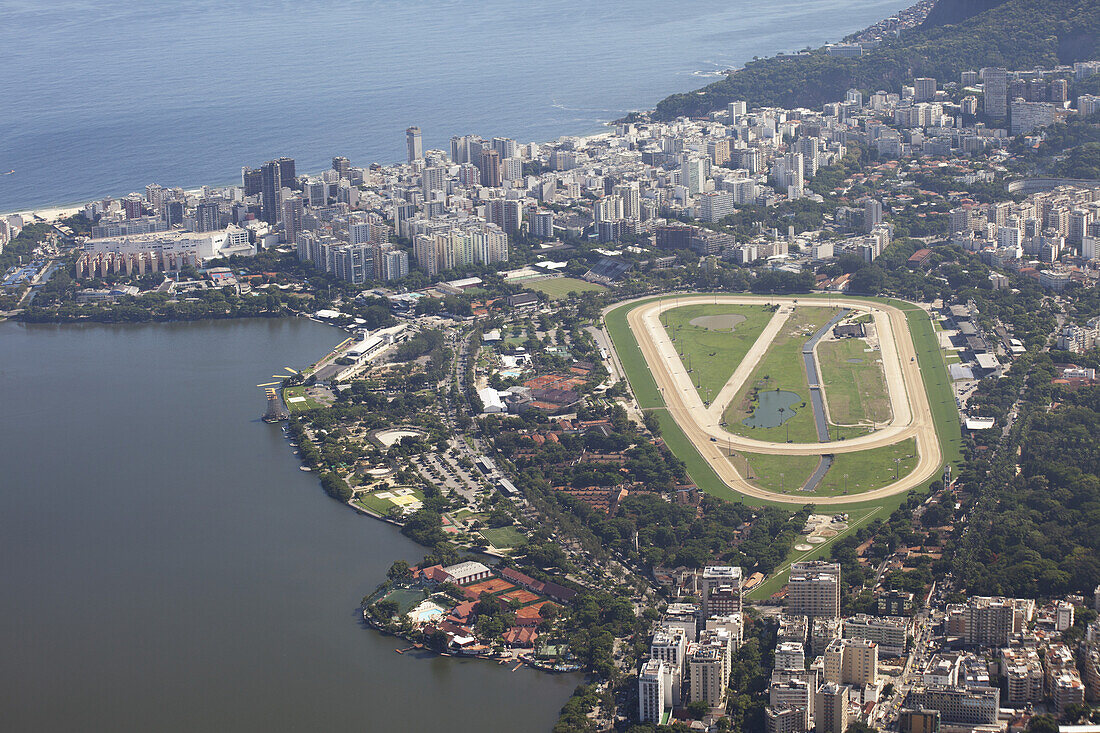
{"x":51,"y":213}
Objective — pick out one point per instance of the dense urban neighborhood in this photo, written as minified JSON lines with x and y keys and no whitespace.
{"x":759,"y":417}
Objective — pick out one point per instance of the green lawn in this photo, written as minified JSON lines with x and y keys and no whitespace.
{"x":560,"y":287}
{"x":714,"y":354}
{"x":381,"y":505}
{"x":406,"y":599}
{"x":503,"y":538}
{"x":299,"y":391}
{"x":782,"y":368}
{"x":868,"y":469}
{"x":856,"y":392}
{"x":785,"y":474}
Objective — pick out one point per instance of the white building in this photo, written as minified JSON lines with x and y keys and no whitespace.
{"x":654,"y":691}
{"x":467,"y":572}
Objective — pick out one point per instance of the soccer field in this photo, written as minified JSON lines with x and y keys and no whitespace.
{"x":560,"y":287}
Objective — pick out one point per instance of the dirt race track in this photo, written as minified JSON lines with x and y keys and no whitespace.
{"x":912,"y":415}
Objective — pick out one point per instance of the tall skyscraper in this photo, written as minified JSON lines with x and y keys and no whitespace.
{"x":251,"y":181}
{"x":995,"y":95}
{"x":414,"y":144}
{"x":287,"y":173}
{"x":490,"y":169}
{"x":506,"y":146}
{"x":271,"y":186}
{"x":207,"y":217}
{"x":432,"y":179}
{"x":342,"y":166}
{"x":505,"y":213}
{"x":292,"y":218}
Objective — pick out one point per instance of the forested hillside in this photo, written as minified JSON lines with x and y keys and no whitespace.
{"x":1016,"y":34}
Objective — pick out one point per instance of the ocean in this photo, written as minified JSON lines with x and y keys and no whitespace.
{"x":102,"y":98}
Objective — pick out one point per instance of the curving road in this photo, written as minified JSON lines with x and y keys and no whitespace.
{"x":912,"y":415}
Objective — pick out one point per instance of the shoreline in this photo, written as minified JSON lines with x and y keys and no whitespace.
{"x":51,"y":213}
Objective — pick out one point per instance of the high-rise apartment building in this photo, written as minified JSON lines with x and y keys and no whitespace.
{"x":271,"y":187}
{"x":490,"y":169}
{"x":293,"y":210}
{"x":433,"y":178}
{"x":251,"y":181}
{"x":708,"y":675}
{"x":631,"y":198}
{"x":814,"y":589}
{"x":831,"y":708}
{"x":342,"y":166}
{"x":925,"y":89}
{"x":542,"y":224}
{"x":851,"y":662}
{"x":718,"y":579}
{"x":790,"y":655}
{"x":654,"y":693}
{"x":995,"y":94}
{"x":958,"y":705}
{"x":207,"y":217}
{"x":287,"y":173}
{"x":505,"y":213}
{"x":505,"y":146}
{"x":889,"y":632}
{"x":414,"y":144}
{"x":872,"y":214}
{"x":693,"y":172}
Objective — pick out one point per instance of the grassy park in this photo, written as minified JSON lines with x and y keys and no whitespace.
{"x":855,"y":386}
{"x":298,"y":400}
{"x":782,"y":369}
{"x":381,"y":502}
{"x":714,"y":340}
{"x":560,"y":287}
{"x":503,"y":538}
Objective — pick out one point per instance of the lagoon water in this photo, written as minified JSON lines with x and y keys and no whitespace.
{"x":102,"y":97}
{"x":166,"y":567}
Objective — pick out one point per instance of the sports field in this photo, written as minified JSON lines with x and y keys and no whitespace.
{"x":714,"y":339}
{"x":503,"y":538}
{"x":560,"y":287}
{"x":855,"y":387}
{"x":380,"y":502}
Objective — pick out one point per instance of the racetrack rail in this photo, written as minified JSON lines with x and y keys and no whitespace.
{"x":912,"y":414}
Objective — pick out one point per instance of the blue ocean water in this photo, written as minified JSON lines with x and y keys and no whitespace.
{"x":102,"y":97}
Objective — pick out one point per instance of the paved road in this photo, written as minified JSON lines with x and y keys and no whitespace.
{"x":912,"y":415}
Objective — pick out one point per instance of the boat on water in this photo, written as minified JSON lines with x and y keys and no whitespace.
{"x":304,"y":468}
{"x":11,"y":172}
